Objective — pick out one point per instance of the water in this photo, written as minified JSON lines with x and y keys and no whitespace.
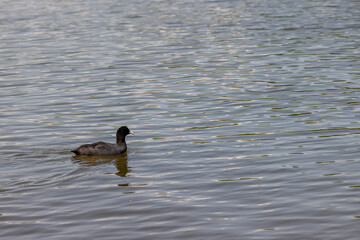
{"x":246,"y":115}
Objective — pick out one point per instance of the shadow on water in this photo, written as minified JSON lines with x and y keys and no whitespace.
{"x":120,"y":162}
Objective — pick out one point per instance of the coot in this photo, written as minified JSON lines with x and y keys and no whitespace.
{"x":103,"y":148}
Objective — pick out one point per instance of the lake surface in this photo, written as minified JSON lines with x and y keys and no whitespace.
{"x":246,"y":117}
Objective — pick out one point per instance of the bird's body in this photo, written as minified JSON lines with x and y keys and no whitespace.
{"x":104,"y":148}
{"x":100,"y":148}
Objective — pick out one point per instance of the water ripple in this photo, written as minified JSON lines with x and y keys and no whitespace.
{"x":245,"y":115}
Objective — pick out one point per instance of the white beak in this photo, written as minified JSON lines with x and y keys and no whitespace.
{"x":131,"y":133}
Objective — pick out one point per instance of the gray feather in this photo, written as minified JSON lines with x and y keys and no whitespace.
{"x":100,"y":148}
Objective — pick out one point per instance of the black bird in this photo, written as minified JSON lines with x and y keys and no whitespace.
{"x":103,"y":148}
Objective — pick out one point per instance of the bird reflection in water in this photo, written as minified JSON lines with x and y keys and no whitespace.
{"x":120,"y":162}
